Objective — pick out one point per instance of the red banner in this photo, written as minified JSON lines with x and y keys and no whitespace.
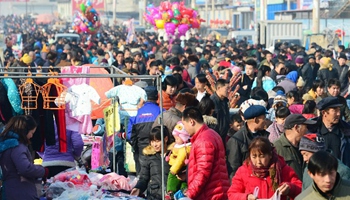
{"x":97,"y":4}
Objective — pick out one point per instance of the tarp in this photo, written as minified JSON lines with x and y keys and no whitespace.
{"x":101,"y":85}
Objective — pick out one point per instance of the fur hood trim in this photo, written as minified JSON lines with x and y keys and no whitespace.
{"x":10,"y":142}
{"x":210,"y":120}
{"x":149,"y":150}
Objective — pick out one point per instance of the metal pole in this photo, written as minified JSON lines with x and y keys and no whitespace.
{"x":206,"y":13}
{"x":316,"y":17}
{"x":159,"y":84}
{"x":212,"y":9}
{"x":114,"y":11}
{"x":114,"y":115}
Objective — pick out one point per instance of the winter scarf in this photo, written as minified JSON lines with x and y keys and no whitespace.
{"x":274,"y":170}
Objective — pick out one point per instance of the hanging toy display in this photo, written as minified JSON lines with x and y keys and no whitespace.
{"x":173,"y":18}
{"x":87,"y":19}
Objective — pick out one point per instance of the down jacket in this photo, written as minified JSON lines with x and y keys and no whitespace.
{"x":151,"y":174}
{"x":244,"y":183}
{"x":207,"y":172}
{"x":168,"y":101}
{"x":19,"y":172}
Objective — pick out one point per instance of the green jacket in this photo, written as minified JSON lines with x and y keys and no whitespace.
{"x":291,"y":155}
{"x":341,"y":191}
{"x":343,"y":171}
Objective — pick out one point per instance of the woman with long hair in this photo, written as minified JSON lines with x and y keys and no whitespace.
{"x":263,"y":79}
{"x":262,"y":174}
{"x":19,"y":172}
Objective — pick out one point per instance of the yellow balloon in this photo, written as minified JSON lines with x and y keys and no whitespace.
{"x":160,"y":23}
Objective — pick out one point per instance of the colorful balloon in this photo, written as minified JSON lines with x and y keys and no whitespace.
{"x":170,"y":28}
{"x":175,"y":21}
{"x":182,"y":29}
{"x":176,"y":12}
{"x":170,"y":13}
{"x":165,"y":16}
{"x":82,"y":8}
{"x":160,"y":23}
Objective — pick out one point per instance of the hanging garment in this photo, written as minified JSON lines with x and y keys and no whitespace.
{"x":13,"y":95}
{"x":78,"y":98}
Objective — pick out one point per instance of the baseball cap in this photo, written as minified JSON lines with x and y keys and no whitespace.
{"x":297,"y":119}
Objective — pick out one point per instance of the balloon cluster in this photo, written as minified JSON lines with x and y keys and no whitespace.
{"x":172,"y":17}
{"x":86,"y":20}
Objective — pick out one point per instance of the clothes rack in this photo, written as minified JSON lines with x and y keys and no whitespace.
{"x":113,"y":75}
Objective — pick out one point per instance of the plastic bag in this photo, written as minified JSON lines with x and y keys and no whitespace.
{"x":78,"y":178}
{"x":113,"y":181}
{"x":276,"y":195}
{"x":56,"y":189}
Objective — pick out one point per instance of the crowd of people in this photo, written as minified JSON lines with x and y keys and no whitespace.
{"x":240,"y":122}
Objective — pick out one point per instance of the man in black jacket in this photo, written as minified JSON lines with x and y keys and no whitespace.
{"x":222,"y":112}
{"x":237,"y":145}
{"x":343,"y":74}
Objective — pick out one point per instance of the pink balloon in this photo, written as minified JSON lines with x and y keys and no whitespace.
{"x":170,"y":13}
{"x":83,"y":27}
{"x":170,"y":28}
{"x":157,"y":16}
{"x":195,"y":14}
{"x":182,"y":28}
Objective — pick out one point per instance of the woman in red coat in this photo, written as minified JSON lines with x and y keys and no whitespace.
{"x":264,"y":170}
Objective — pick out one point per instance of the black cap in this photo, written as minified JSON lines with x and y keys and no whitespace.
{"x":297,"y":119}
{"x":342,"y":55}
{"x":311,"y":56}
{"x":152,"y":93}
{"x":328,"y":102}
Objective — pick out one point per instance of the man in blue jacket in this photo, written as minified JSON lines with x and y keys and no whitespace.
{"x":140,"y":126}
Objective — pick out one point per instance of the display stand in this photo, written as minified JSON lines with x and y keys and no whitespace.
{"x":113,"y":75}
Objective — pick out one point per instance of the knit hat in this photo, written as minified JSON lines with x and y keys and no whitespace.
{"x":179,"y":130}
{"x":299,"y":60}
{"x":325,"y":62}
{"x":187,"y":99}
{"x":300,"y":82}
{"x":307,"y":97}
{"x":250,"y":102}
{"x":26,"y":59}
{"x":311,"y":143}
{"x":280,"y":99}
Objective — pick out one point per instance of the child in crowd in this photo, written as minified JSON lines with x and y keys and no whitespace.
{"x":309,"y":109}
{"x":178,"y":159}
{"x":236,"y":124}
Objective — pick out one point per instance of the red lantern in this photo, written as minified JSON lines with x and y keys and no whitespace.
{"x":216,"y":21}
{"x":227,"y":22}
{"x":212,"y":21}
{"x":221,"y":21}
